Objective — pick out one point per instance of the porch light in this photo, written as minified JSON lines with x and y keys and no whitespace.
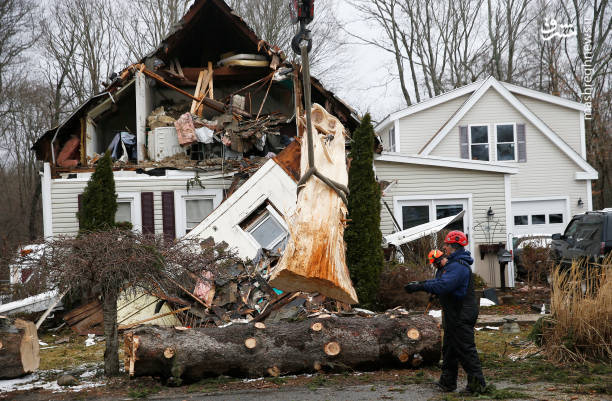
{"x":490,"y":213}
{"x":580,"y":202}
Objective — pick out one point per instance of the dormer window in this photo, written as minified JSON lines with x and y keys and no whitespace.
{"x":479,"y":142}
{"x":505,"y":142}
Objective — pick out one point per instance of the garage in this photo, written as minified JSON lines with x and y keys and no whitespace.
{"x":539,"y":216}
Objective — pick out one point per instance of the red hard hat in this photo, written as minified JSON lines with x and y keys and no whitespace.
{"x":434,"y":255}
{"x":456,"y":237}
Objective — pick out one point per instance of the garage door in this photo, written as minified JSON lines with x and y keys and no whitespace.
{"x":539,"y":216}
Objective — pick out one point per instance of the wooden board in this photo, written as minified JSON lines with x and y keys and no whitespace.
{"x":314,"y":259}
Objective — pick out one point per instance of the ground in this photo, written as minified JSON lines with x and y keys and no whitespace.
{"x":531,"y":378}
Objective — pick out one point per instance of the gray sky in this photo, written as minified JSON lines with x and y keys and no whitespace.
{"x":362,"y":78}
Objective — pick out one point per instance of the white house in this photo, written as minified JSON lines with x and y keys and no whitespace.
{"x":520,"y":152}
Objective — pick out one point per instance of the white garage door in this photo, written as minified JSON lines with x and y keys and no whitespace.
{"x":539,"y":216}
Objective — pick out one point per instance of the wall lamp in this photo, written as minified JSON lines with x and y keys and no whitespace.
{"x":580,"y":202}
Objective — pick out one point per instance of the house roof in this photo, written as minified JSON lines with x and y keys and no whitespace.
{"x":491,"y":82}
{"x":447,"y":162}
{"x":467,"y":89}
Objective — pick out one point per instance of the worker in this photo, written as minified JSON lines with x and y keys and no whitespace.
{"x":454,"y":286}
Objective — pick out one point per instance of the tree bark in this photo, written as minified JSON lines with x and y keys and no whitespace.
{"x":111,"y":354}
{"x":19,"y":351}
{"x":243,"y":350}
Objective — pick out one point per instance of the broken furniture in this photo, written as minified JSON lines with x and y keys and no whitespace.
{"x":19,"y":349}
{"x":323,"y":343}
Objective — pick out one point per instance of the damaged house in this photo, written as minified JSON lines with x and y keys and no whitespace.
{"x":187,"y":126}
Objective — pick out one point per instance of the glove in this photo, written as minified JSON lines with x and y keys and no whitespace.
{"x":414,"y":286}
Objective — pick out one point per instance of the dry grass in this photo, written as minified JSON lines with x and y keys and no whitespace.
{"x":581,"y":306}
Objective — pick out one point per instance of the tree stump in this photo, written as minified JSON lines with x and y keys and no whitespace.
{"x":242,"y":350}
{"x":19,"y":351}
{"x":314,"y":259}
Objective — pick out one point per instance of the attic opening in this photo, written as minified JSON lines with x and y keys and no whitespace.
{"x":113,"y":122}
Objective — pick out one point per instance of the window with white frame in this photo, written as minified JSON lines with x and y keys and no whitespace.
{"x":505,"y":146}
{"x":392,"y":139}
{"x":128,"y":209}
{"x":479,"y":142}
{"x":193,"y":206}
{"x":416,"y":212}
{"x":266,"y":227}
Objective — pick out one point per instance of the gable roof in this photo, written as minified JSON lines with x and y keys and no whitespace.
{"x":491,"y":82}
{"x":448,"y":162}
{"x":469,"y":88}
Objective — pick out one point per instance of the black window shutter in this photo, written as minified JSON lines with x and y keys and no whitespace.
{"x":168,"y":214}
{"x":464,"y":145}
{"x":148,"y":218}
{"x":521,"y":143}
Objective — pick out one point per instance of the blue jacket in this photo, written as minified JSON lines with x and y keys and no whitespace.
{"x":453,"y":278}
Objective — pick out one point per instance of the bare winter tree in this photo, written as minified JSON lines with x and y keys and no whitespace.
{"x":141,"y":25}
{"x":109,"y":262}
{"x":270,"y":21}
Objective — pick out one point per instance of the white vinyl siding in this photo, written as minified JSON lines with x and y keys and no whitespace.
{"x":418,"y":128}
{"x":547,"y":172}
{"x":64,"y":196}
{"x":486,"y":189}
{"x":564,"y":121}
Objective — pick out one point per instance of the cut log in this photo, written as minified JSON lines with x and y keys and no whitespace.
{"x":242,"y":350}
{"x":314,"y":258}
{"x":19,"y":351}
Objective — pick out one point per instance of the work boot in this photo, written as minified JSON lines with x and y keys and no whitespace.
{"x":475,"y":385}
{"x":444,"y":387}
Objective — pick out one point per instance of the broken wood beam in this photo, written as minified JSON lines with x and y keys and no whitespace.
{"x":243,"y":350}
{"x":213,"y":104}
{"x":19,"y":350}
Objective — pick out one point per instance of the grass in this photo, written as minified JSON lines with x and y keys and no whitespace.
{"x":581,"y":306}
{"x":142,"y":391}
{"x":71,"y":354}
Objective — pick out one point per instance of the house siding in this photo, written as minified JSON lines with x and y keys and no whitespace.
{"x":416,"y":129}
{"x":548,"y":171}
{"x":487,"y":190}
{"x":564,"y":121}
{"x":64,"y":196}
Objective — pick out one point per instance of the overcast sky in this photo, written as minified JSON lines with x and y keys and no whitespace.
{"x":363,"y":75}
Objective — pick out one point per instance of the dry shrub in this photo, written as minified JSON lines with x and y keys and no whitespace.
{"x":581,"y":306}
{"x":394,"y":277}
{"x":538,"y":264}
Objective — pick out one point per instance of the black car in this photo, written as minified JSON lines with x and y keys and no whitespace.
{"x":587,"y":236}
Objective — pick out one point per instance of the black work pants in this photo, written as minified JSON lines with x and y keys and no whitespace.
{"x":459,"y":347}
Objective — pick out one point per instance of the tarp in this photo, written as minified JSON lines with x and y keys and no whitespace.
{"x":420,"y":231}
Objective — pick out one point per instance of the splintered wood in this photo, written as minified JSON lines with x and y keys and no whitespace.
{"x":19,"y":351}
{"x":314,"y":259}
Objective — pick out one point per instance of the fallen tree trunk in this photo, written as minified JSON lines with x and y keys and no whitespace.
{"x":19,"y":351}
{"x":314,"y":259}
{"x":272,"y":349}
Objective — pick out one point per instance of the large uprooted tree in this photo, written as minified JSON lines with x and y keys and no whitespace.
{"x":111,"y":261}
{"x":363,"y":237}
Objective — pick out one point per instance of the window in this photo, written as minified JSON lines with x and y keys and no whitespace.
{"x":392,"y":139}
{"x":414,"y":215}
{"x":479,"y":142}
{"x":556,"y":218}
{"x":505,"y":142}
{"x":196,"y":210}
{"x":416,"y":212}
{"x":443,"y":211}
{"x":266,"y":227}
{"x":521,"y":220}
{"x":193,"y":206}
{"x":538,"y":219}
{"x":124,"y":211}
